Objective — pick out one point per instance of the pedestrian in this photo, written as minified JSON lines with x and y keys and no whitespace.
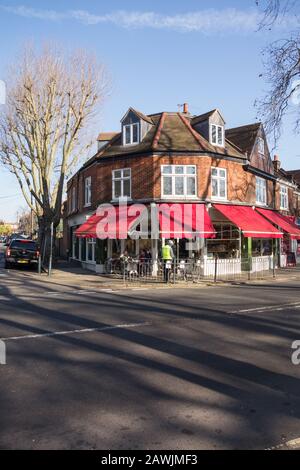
{"x":167,"y":257}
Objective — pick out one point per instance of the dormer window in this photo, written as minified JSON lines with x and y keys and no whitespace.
{"x":217,"y":135}
{"x":261,"y":145}
{"x":131,"y":133}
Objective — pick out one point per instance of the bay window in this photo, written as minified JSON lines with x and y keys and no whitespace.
{"x":178,"y":181}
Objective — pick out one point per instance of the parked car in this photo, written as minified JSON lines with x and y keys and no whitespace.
{"x":21,"y":252}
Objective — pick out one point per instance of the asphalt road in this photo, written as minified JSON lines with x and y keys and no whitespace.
{"x":164,"y":369}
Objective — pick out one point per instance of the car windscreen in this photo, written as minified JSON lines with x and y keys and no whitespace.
{"x":23,"y":245}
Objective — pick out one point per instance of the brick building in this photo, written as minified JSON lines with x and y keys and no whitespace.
{"x":174,"y":157}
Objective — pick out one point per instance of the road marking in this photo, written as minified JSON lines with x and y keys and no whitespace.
{"x":71,"y":332}
{"x":292,"y":445}
{"x":268,"y":307}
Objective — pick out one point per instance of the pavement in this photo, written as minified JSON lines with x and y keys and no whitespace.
{"x":139,"y":368}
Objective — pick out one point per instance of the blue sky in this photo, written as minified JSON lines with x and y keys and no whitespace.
{"x":159,"y":54}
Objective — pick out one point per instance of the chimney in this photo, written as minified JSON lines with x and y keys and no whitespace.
{"x":185,"y":108}
{"x":276,"y":162}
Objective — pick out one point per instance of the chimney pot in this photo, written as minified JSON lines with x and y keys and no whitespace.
{"x":185,"y":108}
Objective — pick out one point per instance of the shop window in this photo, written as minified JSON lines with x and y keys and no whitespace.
{"x":90,"y":249}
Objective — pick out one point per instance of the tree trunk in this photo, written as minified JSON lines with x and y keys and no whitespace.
{"x":45,"y":223}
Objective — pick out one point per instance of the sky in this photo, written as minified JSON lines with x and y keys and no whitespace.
{"x":159,"y":54}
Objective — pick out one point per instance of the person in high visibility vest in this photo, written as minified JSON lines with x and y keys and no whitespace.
{"x":167,"y":257}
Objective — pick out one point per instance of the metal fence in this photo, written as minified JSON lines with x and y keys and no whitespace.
{"x":192,"y":270}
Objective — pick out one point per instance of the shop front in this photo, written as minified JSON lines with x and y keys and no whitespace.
{"x":288,"y":246}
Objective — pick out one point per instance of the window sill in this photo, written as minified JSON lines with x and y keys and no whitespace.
{"x":216,"y":199}
{"x":88,"y":205}
{"x":121,"y":199}
{"x":261,"y":204}
{"x":173,"y":196}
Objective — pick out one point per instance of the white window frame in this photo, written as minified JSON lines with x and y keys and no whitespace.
{"x":87,"y":191}
{"x":218,"y":178}
{"x":90,"y":241}
{"x":173,"y":175}
{"x":122,"y":178}
{"x":216,"y":143}
{"x":263,"y":201}
{"x":130,"y":126}
{"x":260,"y":141}
{"x":284,"y":197}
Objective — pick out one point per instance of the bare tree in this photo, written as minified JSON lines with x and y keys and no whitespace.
{"x":273,"y":10}
{"x":51,"y":98}
{"x":27,"y":222}
{"x":282,"y":71}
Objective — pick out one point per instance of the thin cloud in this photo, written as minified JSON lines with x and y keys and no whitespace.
{"x":211,"y":21}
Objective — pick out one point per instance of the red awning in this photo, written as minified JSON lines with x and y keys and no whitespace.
{"x":112,"y":222}
{"x":185,"y":221}
{"x":281,"y":221}
{"x":249,"y":221}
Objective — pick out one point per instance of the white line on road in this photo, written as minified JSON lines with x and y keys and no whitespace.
{"x":71,"y":332}
{"x":268,"y":307}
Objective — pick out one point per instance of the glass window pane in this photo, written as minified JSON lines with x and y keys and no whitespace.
{"x":126,"y":188}
{"x":214,"y":187}
{"x":191,"y":170}
{"x":117,"y":174}
{"x":179,"y":185}
{"x":167,"y":185}
{"x":135,"y":128}
{"x":214,"y":171}
{"x":90,"y":250}
{"x":222,"y":173}
{"x":117,"y":186}
{"x":127,"y":134}
{"x":213,"y":134}
{"x":126,"y":173}
{"x":167,"y":170}
{"x":220,"y":135}
{"x":191,"y":186}
{"x":222,"y":188}
{"x":179,"y":170}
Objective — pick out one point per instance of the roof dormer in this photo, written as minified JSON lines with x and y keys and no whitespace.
{"x":135,"y":126}
{"x":211,"y":125}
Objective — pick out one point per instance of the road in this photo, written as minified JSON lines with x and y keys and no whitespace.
{"x":151,"y":369}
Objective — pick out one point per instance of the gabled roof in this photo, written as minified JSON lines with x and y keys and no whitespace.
{"x":205,"y":116}
{"x":170,"y":132}
{"x":139,"y":114}
{"x":295,"y":174}
{"x":244,"y":136}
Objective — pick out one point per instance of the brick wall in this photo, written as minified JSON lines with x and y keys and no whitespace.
{"x":146,"y":179}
